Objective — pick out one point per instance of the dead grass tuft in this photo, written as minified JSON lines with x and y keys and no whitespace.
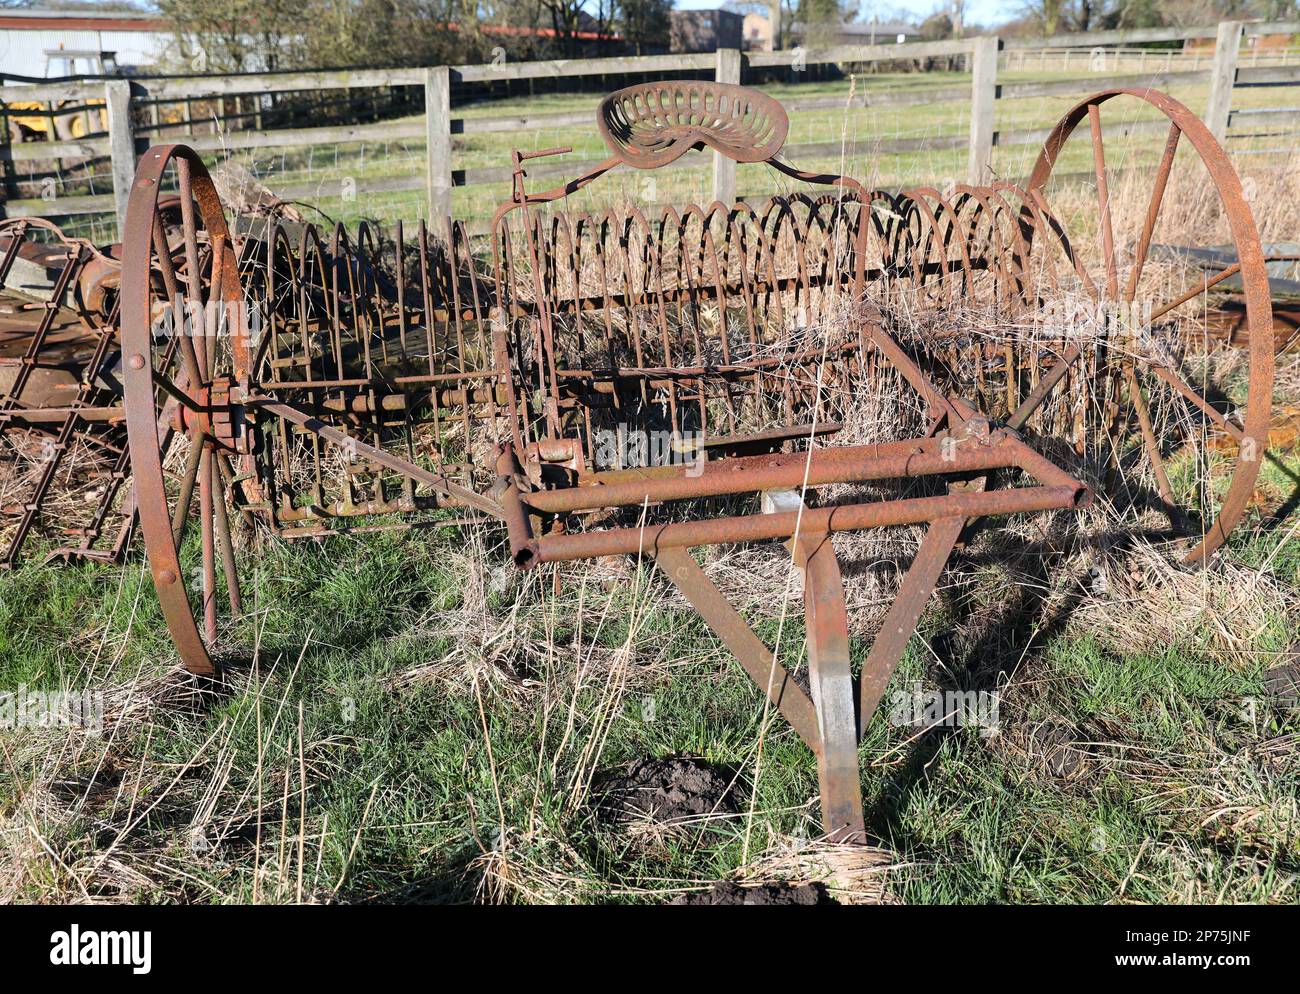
{"x":852,"y":874}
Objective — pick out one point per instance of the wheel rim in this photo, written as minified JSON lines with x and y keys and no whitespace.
{"x":1124,"y":286}
{"x":179,"y":389}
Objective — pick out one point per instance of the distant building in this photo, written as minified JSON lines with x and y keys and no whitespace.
{"x":1253,"y":43}
{"x":859,"y":33}
{"x":31,"y":39}
{"x":705,"y":30}
{"x":758,"y":33}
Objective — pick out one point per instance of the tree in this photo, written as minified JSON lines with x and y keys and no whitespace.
{"x":819,"y":21}
{"x":569,"y":17}
{"x":389,"y":32}
{"x":644,"y":24}
{"x":1065,"y":16}
{"x":116,"y":6}
{"x":937,"y":27}
{"x":233,"y":35}
{"x":1193,"y":13}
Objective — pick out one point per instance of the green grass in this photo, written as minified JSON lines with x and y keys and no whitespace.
{"x":859,"y":131}
{"x":372,"y":666}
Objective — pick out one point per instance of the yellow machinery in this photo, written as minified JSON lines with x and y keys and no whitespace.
{"x":66,"y":120}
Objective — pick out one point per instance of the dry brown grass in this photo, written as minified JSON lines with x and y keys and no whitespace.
{"x":853,"y":874}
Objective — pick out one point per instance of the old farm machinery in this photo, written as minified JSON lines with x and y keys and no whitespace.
{"x":299,"y":383}
{"x":63,"y":452}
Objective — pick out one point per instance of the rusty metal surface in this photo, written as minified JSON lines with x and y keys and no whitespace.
{"x":191,"y":363}
{"x":62,"y":448}
{"x":1249,"y":264}
{"x":999,"y":245}
{"x":838,"y":518}
{"x":652,"y":124}
{"x":831,"y":678}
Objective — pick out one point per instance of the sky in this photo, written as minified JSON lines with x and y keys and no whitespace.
{"x":984,"y":12}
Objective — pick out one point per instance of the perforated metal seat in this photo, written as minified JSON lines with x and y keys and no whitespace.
{"x":652,"y":124}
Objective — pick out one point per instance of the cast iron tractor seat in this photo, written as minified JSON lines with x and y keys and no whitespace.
{"x":653,"y":124}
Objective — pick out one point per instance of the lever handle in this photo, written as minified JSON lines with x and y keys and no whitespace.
{"x":543,"y":152}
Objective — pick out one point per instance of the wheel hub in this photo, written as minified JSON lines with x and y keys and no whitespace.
{"x":218,"y":412}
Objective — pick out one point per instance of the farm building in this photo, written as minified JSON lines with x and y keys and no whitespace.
{"x":874,"y":32}
{"x":758,"y":33}
{"x":40,"y":44}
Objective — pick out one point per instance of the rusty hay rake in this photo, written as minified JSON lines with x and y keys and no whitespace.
{"x":300,"y":383}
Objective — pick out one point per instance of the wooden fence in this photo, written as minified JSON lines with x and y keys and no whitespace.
{"x":128,"y":134}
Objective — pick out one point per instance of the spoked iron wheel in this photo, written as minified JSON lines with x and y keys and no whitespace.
{"x":186,"y":346}
{"x":1159,"y":421}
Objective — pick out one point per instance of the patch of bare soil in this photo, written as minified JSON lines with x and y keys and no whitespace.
{"x":777,"y":893}
{"x":666,"y":791}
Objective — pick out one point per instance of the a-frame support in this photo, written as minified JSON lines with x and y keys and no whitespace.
{"x":835,"y":718}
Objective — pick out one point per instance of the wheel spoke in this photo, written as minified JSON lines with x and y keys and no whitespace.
{"x":1040,"y":393}
{"x":1151,"y":445}
{"x":222,"y":521}
{"x":194,"y":275}
{"x":214,"y":299}
{"x":209,"y":547}
{"x":175,"y":301}
{"x":173,"y":390}
{"x":1153,"y":210}
{"x":1103,"y":202}
{"x":181,"y":513}
{"x":1184,"y":388}
{"x":1196,"y":291}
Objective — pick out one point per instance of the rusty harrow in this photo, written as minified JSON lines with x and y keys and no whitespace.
{"x":299,"y":383}
{"x":63,"y":452}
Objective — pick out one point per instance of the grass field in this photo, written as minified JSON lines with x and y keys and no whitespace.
{"x":414,"y":720}
{"x":409,"y":718}
{"x":859,"y":131}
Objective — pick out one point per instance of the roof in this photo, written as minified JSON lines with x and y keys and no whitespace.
{"x":705,"y":12}
{"x":34,"y":19}
{"x":30,"y":19}
{"x":865,"y":28}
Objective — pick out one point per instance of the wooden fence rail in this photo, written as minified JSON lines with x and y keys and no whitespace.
{"x":981,"y":56}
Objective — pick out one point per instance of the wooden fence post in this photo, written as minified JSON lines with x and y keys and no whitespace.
{"x":121,"y":144}
{"x":1223,"y":73}
{"x":724,"y":169}
{"x":983,"y":99}
{"x":437,"y":126}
